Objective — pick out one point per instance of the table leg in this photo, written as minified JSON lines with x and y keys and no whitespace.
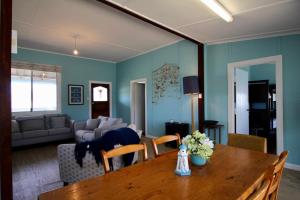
{"x":220,"y":136}
{"x":215,"y":136}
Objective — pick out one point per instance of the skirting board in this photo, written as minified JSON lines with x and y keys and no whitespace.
{"x":292,"y":166}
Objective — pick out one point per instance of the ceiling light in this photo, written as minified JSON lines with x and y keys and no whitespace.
{"x":215,"y":6}
{"x":75,"y":51}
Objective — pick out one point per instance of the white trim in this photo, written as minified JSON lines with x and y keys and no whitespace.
{"x":151,"y":136}
{"x":143,"y":80}
{"x":110,"y":96}
{"x":292,"y":166}
{"x":254,"y":36}
{"x":63,"y":54}
{"x":277,"y":60}
{"x":148,"y":51}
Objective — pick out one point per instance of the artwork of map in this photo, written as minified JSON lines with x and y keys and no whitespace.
{"x":165,"y":82}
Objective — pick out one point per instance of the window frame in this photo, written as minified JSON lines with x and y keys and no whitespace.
{"x":58,"y":101}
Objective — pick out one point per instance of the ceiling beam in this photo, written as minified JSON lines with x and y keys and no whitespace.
{"x":147,"y":20}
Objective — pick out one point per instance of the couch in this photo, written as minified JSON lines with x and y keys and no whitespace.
{"x":71,"y":172}
{"x":43,"y":128}
{"x":95,"y":128}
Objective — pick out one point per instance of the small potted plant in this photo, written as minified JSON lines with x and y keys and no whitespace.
{"x":199,"y":146}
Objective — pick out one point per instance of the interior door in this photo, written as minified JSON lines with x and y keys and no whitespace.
{"x":139,"y":106}
{"x":100,"y":101}
{"x":242,"y":102}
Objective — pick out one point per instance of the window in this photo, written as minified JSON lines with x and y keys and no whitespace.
{"x":35,"y":89}
{"x":100,"y":94}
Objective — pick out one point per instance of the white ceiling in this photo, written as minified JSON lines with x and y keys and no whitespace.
{"x":107,"y":34}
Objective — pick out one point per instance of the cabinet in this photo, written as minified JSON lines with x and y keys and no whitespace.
{"x":174,"y":127}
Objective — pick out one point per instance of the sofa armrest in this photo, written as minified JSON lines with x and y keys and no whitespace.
{"x":101,"y":131}
{"x":79,"y":125}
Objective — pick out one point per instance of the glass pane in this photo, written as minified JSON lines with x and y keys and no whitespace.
{"x":100,"y":93}
{"x":44,"y":91}
{"x":21,"y":90}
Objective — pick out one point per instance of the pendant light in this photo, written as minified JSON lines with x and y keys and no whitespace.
{"x":75,"y":51}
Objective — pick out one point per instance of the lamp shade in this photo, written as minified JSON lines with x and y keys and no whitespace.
{"x":190,"y":85}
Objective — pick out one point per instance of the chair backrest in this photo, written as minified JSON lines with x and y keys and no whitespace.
{"x":121,"y":151}
{"x":259,"y":190}
{"x":277,"y":174}
{"x":164,"y":139}
{"x":248,"y":142}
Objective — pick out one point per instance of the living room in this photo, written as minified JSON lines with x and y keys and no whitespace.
{"x":115,"y":49}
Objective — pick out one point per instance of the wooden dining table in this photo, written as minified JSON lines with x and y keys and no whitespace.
{"x":227,"y":175}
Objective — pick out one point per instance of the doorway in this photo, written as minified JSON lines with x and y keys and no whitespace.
{"x":100,"y":99}
{"x":138,"y":109}
{"x":257,"y":103}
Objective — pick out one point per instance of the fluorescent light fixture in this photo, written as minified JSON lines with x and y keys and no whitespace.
{"x":215,"y":6}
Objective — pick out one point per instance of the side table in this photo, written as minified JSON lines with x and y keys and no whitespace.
{"x":214,"y":128}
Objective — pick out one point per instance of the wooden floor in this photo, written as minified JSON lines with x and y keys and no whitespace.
{"x":35,"y":170}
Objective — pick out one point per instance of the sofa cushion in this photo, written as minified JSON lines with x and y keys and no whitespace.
{"x":31,"y":123}
{"x":91,"y":124}
{"x":84,"y":135}
{"x":16,"y":136}
{"x":15,"y":126}
{"x":48,"y":117}
{"x":58,"y":122}
{"x":37,"y":133}
{"x":58,"y":131}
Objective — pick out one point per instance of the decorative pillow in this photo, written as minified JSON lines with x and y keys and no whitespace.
{"x":58,"y":122}
{"x":91,"y":124}
{"x":31,"y":123}
{"x":113,"y":121}
{"x":102,"y":118}
{"x":104,"y":124}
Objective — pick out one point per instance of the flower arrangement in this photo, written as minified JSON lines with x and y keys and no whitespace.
{"x":199,"y":144}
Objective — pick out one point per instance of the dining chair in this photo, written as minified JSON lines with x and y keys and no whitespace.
{"x":250,"y":142}
{"x":164,"y":139}
{"x":121,"y":151}
{"x":259,"y":190}
{"x":277,"y":174}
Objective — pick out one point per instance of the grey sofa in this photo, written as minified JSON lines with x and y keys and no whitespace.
{"x":95,"y":128}
{"x":39,"y":129}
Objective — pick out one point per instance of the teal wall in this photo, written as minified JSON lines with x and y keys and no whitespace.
{"x":262,"y":72}
{"x":75,"y":70}
{"x":184,"y":54}
{"x":218,"y":56}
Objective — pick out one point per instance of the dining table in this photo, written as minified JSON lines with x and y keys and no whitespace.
{"x":228,"y":174}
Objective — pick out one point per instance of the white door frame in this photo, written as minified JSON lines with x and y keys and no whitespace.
{"x":277,"y":60}
{"x":90,"y":96}
{"x":144,"y":81}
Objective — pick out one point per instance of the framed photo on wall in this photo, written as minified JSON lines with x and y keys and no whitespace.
{"x":75,"y":94}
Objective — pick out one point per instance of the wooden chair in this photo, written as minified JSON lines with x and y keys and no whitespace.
{"x":277,"y":174}
{"x":248,"y":142}
{"x":121,"y":151}
{"x":164,"y":139}
{"x":259,"y":190}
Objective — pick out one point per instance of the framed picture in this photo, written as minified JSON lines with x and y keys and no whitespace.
{"x":76,"y":94}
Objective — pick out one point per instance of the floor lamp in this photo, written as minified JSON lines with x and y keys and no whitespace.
{"x":191,"y":87}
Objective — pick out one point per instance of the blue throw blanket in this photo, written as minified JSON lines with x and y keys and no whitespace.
{"x":122,"y":136}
